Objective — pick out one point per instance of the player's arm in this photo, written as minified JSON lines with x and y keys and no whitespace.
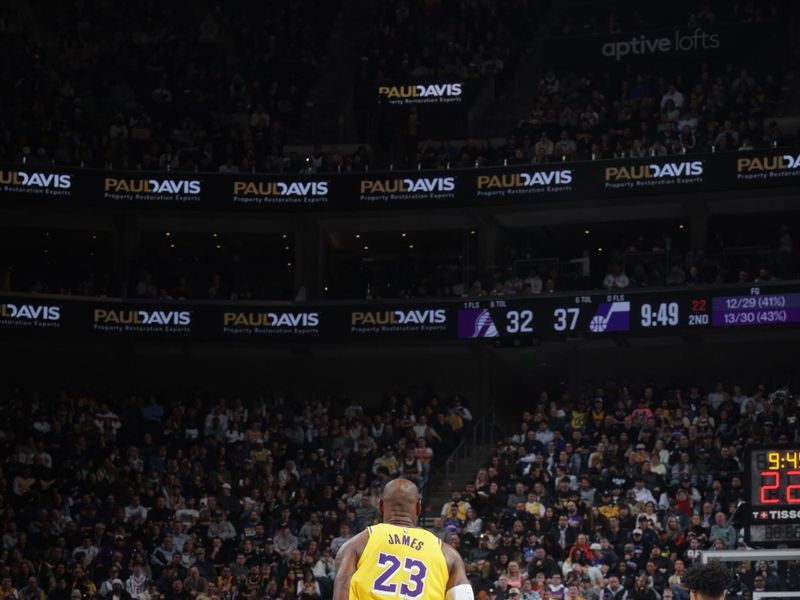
{"x":458,"y":585}
{"x":346,"y":563}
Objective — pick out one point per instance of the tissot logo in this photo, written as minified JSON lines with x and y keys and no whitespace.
{"x":643,"y":45}
{"x":30,"y":312}
{"x":408,"y":185}
{"x":654,"y":171}
{"x":400,"y":317}
{"x":271,"y":319}
{"x":776,"y":515}
{"x":525,"y":180}
{"x":420,"y":91}
{"x":36,"y":180}
{"x":768,"y":163}
{"x":280,"y":188}
{"x":153,"y":186}
{"x":104,"y":316}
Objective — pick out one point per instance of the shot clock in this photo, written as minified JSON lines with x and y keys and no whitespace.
{"x":773,"y":514}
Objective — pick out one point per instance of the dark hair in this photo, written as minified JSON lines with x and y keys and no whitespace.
{"x":710,"y":580}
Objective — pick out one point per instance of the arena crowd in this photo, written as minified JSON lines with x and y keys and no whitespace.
{"x":146,"y":498}
{"x":614,"y":494}
{"x":608,"y":496}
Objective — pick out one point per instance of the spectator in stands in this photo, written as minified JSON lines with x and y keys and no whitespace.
{"x":616,"y":279}
{"x":723,"y":530}
{"x":565,"y":148}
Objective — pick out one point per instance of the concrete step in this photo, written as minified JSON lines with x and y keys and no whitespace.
{"x":443,"y":484}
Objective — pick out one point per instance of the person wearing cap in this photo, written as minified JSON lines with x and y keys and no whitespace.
{"x":388,"y":461}
{"x":284,"y":540}
{"x":76,"y":595}
{"x":679,"y":508}
{"x":587,"y":589}
{"x":105,"y":587}
{"x":513,"y":593}
{"x":477,"y":560}
{"x":607,"y":508}
{"x":639,"y":548}
{"x":118,"y":591}
{"x":642,"y":493}
{"x":230,"y":503}
{"x":596,"y":548}
{"x":221,"y":527}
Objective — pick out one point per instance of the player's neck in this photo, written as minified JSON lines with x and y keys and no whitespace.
{"x":401,"y":520}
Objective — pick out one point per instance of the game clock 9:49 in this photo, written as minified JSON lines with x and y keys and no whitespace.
{"x":775,"y":477}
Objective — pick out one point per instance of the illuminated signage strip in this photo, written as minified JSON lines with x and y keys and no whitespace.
{"x":758,"y":41}
{"x":519,"y":185}
{"x":511,"y":318}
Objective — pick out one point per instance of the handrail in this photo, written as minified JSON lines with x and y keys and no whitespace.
{"x":394,"y":170}
{"x":451,"y":460}
{"x":482,"y":433}
{"x":380,"y":301}
{"x":741,"y":250}
{"x":481,"y":425}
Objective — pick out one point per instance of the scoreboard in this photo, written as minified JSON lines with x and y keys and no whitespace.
{"x":638,"y":312}
{"x":773,"y":487}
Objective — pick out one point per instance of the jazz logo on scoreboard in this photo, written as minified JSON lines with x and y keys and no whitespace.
{"x":611,"y":316}
{"x":476,"y":323}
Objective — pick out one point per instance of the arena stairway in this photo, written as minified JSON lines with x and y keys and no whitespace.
{"x":461,"y":470}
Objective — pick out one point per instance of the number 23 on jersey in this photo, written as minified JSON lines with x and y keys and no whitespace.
{"x":414,"y":583}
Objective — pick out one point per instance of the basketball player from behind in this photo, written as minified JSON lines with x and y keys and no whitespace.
{"x":397,"y":558}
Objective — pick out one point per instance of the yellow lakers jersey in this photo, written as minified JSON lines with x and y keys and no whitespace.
{"x":405,"y":562}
